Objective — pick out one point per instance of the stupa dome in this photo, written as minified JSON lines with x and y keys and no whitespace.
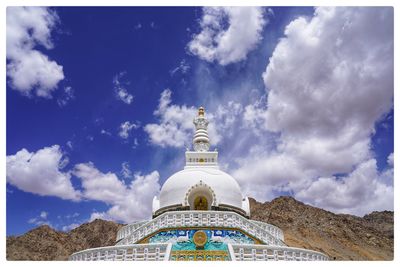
{"x":216,"y":183}
{"x":201,"y":185}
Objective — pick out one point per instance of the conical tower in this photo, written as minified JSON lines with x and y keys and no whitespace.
{"x":201,"y":141}
{"x":201,"y":156}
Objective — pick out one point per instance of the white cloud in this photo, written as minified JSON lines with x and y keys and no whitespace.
{"x":105,"y":132}
{"x":126,"y":127}
{"x":341,"y":57}
{"x":254,"y":116}
{"x":323,"y":104}
{"x":67,"y":96}
{"x":271,"y":12}
{"x":119,"y":87}
{"x":390,"y":159}
{"x":387,"y":174}
{"x":140,"y":194}
{"x":225,"y":117}
{"x":99,"y":215}
{"x":44,"y":214}
{"x":358,"y":193}
{"x":128,"y":202}
{"x":182,"y":68}
{"x":29,"y":69}
{"x":228,"y":34}
{"x":135,"y":143}
{"x":70,"y":227}
{"x":99,"y":186}
{"x":174,"y":129}
{"x":74,"y":215}
{"x":126,"y":171}
{"x":41,"y":219}
{"x":40,"y":173}
{"x":69,"y":145}
{"x":261,"y":173}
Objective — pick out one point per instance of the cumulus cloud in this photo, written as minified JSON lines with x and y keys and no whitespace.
{"x":254,"y":117}
{"x":390,"y":160}
{"x":342,"y":72}
{"x":387,"y":173}
{"x":175,"y":127}
{"x":41,"y":173}
{"x":125,"y":128}
{"x":99,"y":186}
{"x":324,"y":103}
{"x":129,"y":202}
{"x":228,"y":34}
{"x":29,"y":69}
{"x":99,"y":215}
{"x":226,"y":115}
{"x":121,"y":92}
{"x":358,"y":193}
{"x":41,"y":219}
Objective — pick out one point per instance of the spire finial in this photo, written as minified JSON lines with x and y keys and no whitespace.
{"x":201,"y":142}
{"x":201,"y":111}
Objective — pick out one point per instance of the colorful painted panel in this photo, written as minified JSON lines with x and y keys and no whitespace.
{"x":217,"y":239}
{"x":199,"y":255}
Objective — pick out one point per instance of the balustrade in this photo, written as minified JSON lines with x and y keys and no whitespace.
{"x":248,"y":252}
{"x":148,"y":252}
{"x":269,"y":234}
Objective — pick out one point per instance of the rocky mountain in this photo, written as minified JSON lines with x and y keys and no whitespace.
{"x":45,"y":243}
{"x":340,"y":236}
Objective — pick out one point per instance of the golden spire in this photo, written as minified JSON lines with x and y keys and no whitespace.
{"x":201,"y":111}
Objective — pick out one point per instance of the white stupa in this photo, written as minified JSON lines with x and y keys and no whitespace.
{"x":200,"y":214}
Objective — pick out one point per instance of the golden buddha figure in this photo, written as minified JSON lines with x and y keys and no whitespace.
{"x":200,"y":203}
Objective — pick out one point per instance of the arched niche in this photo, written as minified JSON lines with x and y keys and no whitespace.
{"x":200,"y":197}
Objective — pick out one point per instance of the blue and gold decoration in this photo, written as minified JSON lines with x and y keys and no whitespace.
{"x":200,"y":244}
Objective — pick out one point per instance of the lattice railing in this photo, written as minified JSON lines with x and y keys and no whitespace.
{"x":245,"y":252}
{"x":162,"y":251}
{"x":137,"y":252}
{"x":128,"y":229}
{"x":176,"y":219}
{"x":272,"y":229}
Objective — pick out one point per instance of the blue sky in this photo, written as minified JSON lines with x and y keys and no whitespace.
{"x":296,"y":106}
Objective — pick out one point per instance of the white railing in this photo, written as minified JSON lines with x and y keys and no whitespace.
{"x":162,"y":251}
{"x":137,"y":252}
{"x":245,"y":252}
{"x":272,"y":229}
{"x":129,"y":229}
{"x":176,"y":219}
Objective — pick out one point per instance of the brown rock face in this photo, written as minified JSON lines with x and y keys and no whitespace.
{"x":340,"y":236}
{"x":44,"y":243}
